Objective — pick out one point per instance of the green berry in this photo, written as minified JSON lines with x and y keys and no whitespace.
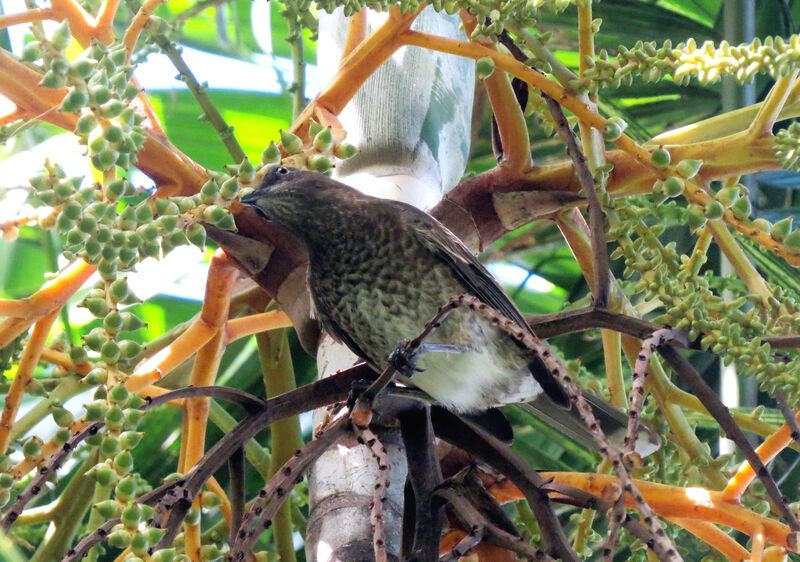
{"x":696,"y":218}
{"x":95,"y":411}
{"x":62,"y":417}
{"x":130,"y":439}
{"x":792,"y":242}
{"x":229,"y":189}
{"x":114,"y":418}
{"x":247,"y":172}
{"x":32,"y":51}
{"x":6,"y":481}
{"x":323,"y":141}
{"x":126,"y":488}
{"x":271,"y":155}
{"x":131,"y":516}
{"x":118,"y":290}
{"x":780,"y":230}
{"x":319,"y":163}
{"x":688,"y":168}
{"x":660,"y":157}
{"x":714,"y":210}
{"x":292,"y":144}
{"x":110,"y":352}
{"x":108,"y":509}
{"x":109,"y":446}
{"x":196,"y":235}
{"x":611,"y":131}
{"x":344,"y":150}
{"x":62,"y":435}
{"x":484,"y":67}
{"x":673,"y":186}
{"x":123,"y":463}
{"x":32,"y":448}
{"x":209,"y":192}
{"x":129,"y":349}
{"x":61,"y":35}
{"x":120,"y":538}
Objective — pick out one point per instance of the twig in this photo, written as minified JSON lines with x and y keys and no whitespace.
{"x":788,"y":414}
{"x":576,"y":396}
{"x":658,"y":338}
{"x":212,"y":114}
{"x":236,"y":472}
{"x":272,"y":496}
{"x":451,"y":428}
{"x":597,"y":217}
{"x":424,"y":475}
{"x":367,"y":437}
{"x":481,"y":529}
{"x":720,"y":412}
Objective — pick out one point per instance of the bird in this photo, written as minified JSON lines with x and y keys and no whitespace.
{"x":378,"y":272}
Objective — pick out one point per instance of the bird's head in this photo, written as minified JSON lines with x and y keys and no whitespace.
{"x":297,"y":199}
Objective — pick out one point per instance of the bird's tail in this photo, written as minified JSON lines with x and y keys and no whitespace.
{"x":612,"y":421}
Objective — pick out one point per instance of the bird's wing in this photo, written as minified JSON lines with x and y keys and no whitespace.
{"x":477,"y":280}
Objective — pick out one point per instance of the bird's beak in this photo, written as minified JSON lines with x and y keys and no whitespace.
{"x":249,"y":199}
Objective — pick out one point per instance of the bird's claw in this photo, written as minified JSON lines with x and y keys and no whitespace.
{"x":403,"y":361}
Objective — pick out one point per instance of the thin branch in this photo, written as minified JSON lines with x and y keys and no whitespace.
{"x":720,"y":412}
{"x":210,"y":111}
{"x":272,"y":496}
{"x":597,"y":218}
{"x":236,"y":472}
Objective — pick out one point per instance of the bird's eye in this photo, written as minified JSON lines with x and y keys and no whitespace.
{"x":281,"y":170}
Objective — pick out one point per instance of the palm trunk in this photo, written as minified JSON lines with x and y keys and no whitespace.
{"x":411,"y":120}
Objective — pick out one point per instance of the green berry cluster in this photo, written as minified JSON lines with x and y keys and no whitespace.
{"x":319,"y":155}
{"x":99,"y":90}
{"x":787,"y":147}
{"x":707,"y":62}
{"x":732,"y":328}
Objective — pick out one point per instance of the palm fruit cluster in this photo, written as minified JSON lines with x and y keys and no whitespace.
{"x":706,"y":62}
{"x":319,"y":155}
{"x":787,"y":147}
{"x":730,"y":327}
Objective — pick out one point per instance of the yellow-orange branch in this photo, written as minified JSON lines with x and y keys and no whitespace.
{"x":222,"y":275}
{"x":249,"y":325}
{"x":38,"y":14}
{"x":767,"y":451}
{"x":50,"y":297}
{"x":27,"y":363}
{"x":184,"y":346}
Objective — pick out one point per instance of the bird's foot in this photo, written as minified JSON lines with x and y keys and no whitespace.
{"x":404,"y":362}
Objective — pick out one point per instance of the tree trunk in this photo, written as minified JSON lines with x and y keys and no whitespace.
{"x":411,"y":120}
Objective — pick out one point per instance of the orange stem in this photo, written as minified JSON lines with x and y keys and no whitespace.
{"x":356,"y":67}
{"x":715,"y":537}
{"x":27,"y":363}
{"x":758,"y":546}
{"x":675,"y":502}
{"x":356,"y":32}
{"x":222,"y":275}
{"x":137,"y":25}
{"x":249,"y":325}
{"x":767,"y":451}
{"x":507,"y":113}
{"x":105,"y":17}
{"x":694,"y":191}
{"x":37,"y":14}
{"x":50,"y":297}
{"x":184,"y":346}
